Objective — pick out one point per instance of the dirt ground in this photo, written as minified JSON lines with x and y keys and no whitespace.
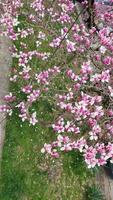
{"x":5,"y":61}
{"x":106,"y":184}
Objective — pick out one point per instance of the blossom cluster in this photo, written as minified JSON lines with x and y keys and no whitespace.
{"x":57,"y":57}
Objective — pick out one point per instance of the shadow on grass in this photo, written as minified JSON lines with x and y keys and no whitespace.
{"x":73,"y":162}
{"x":13,"y":185}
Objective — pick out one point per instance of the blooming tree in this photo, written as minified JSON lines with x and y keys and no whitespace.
{"x":59,"y":58}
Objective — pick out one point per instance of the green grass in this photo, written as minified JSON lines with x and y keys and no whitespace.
{"x":94,"y":193}
{"x":29,"y":175}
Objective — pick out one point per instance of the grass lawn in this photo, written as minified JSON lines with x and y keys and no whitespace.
{"x":28,"y":175}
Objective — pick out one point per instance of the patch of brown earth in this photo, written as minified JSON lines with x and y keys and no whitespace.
{"x":5,"y":61}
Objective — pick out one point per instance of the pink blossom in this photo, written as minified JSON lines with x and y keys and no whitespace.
{"x":70,"y":46}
